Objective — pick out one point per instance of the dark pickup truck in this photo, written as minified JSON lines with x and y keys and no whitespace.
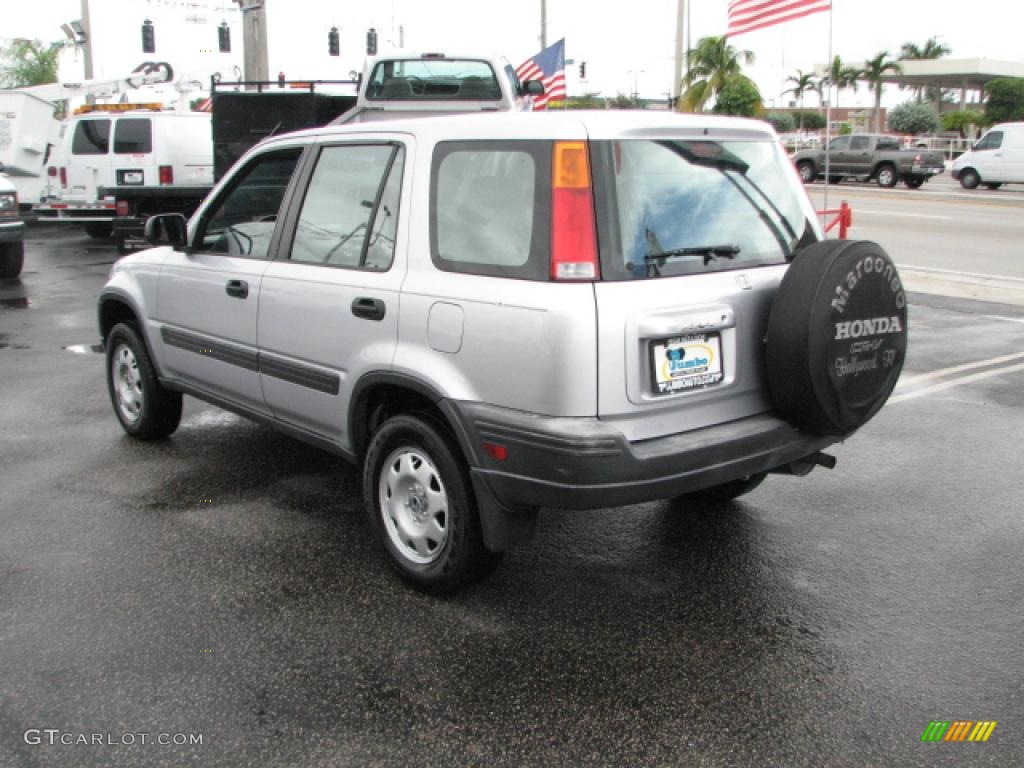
{"x":865,"y":157}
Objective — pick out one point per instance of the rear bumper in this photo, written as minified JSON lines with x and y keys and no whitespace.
{"x":587,"y":464}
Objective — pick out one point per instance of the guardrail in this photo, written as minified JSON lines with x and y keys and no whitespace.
{"x":843,"y":219}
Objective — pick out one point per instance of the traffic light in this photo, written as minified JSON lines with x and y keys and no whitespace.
{"x":371,"y":42}
{"x":224,"y":37}
{"x":583,"y":70}
{"x":333,"y":44}
{"x":148,"y":37}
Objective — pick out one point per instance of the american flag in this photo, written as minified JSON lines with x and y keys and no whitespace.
{"x":748,"y":15}
{"x":548,"y":66}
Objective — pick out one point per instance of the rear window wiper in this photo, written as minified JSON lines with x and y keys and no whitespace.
{"x":709,"y":252}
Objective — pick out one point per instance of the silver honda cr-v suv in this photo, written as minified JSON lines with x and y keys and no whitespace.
{"x":497,"y":313}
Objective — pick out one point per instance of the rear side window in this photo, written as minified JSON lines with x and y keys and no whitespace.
{"x":678,"y":207}
{"x":861,"y":142}
{"x":490,"y":208}
{"x":92,"y":137}
{"x":133,"y":136}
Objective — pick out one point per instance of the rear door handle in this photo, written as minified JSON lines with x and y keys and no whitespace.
{"x":237,"y":289}
{"x":369,"y":309}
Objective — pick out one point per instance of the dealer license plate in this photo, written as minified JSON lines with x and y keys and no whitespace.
{"x":686,"y":362}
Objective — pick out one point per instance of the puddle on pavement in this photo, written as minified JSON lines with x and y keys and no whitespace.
{"x":85,"y":349}
{"x":22,"y":303}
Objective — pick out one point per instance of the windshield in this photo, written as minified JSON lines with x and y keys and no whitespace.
{"x":429,"y":79}
{"x":683,"y":207}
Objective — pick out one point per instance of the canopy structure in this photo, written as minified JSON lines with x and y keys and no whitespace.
{"x":952,"y":74}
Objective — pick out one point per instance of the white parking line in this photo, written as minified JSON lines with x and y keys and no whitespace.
{"x":958,"y":273}
{"x":861,"y":211}
{"x":910,"y":381}
{"x":955,"y":383}
{"x":1005,"y":319}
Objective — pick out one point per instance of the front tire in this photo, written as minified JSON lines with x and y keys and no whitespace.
{"x":969,"y":178}
{"x":421,"y":505}
{"x":887,"y":177}
{"x":12,"y":259}
{"x":806,"y":170}
{"x":146,"y":410}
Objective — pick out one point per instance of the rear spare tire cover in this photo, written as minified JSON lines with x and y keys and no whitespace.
{"x":837,"y":336}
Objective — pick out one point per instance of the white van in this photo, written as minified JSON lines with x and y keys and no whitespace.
{"x":996,"y":159}
{"x":111,"y":146}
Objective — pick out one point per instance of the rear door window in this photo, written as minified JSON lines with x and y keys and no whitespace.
{"x":133,"y":136}
{"x":676,"y":207}
{"x":350,"y":212}
{"x":490,"y":208}
{"x":92,"y":137}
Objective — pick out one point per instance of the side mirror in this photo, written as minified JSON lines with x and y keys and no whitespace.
{"x":167,"y":229}
{"x":533,"y":88}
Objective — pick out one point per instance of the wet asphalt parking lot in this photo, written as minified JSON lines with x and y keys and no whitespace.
{"x":224,"y":584}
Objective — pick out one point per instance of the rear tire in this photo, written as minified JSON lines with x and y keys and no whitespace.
{"x":913,"y":183}
{"x":886,"y":176}
{"x":993,"y":184}
{"x":421,"y":505}
{"x":720,"y":494}
{"x":806,"y":170}
{"x":969,"y":178}
{"x":12,"y":259}
{"x":99,"y":230}
{"x":146,"y":410}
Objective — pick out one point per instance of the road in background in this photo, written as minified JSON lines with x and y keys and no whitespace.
{"x":946,"y":240}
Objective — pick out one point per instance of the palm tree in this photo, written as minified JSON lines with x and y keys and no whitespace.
{"x":710,"y":65}
{"x":802,"y":82}
{"x":932,"y":49}
{"x":841,"y":76}
{"x":874,"y":70}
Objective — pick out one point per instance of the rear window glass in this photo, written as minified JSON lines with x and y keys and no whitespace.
{"x":92,"y":137}
{"x":133,"y":136}
{"x":490,"y":206}
{"x":684,"y":207}
{"x":426,"y":79}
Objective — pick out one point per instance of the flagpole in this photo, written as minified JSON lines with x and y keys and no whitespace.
{"x":828,"y":110}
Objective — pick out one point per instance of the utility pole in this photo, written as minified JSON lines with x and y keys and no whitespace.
{"x":543,"y":24}
{"x":87,"y":54}
{"x":254,"y":40}
{"x":677,"y":71}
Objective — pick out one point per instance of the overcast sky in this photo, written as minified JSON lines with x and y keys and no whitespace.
{"x":626,"y":45}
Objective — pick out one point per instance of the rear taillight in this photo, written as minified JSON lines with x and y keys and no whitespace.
{"x":122,"y":208}
{"x":573,"y":235}
{"x":166,"y":174}
{"x":63,"y":177}
{"x":51,"y":171}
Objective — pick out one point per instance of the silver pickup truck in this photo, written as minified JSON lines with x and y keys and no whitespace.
{"x":865,"y":157}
